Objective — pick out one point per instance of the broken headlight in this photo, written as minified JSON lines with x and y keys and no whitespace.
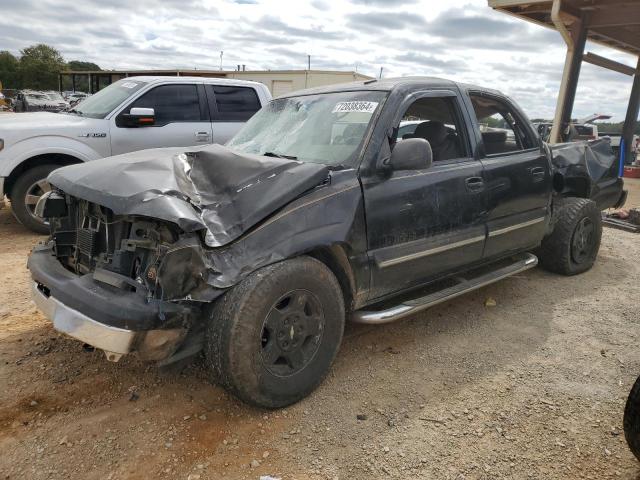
{"x":51,"y":205}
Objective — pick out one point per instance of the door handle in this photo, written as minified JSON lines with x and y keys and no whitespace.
{"x":203,"y":136}
{"x":474,"y":184}
{"x":538,"y":174}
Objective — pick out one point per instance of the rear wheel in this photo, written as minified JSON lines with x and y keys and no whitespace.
{"x":26,"y":192}
{"x":573,"y":245}
{"x":272,"y":338}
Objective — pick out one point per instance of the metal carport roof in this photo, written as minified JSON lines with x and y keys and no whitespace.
{"x":613,"y":23}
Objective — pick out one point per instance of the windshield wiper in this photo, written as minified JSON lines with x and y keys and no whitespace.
{"x":279,"y":155}
{"x":73,"y":110}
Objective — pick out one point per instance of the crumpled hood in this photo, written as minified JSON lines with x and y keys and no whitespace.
{"x":211,"y":188}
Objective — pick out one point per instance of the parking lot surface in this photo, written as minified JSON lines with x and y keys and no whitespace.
{"x":533,"y":387}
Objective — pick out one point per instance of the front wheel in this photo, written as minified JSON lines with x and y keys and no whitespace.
{"x":273,"y":337}
{"x":573,"y":245}
{"x":26,"y":192}
{"x":631,"y":420}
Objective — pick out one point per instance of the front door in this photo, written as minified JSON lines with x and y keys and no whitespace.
{"x":182,"y":120}
{"x":423,"y":224}
{"x":517,"y":175}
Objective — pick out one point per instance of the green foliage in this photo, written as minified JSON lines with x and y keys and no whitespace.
{"x":38,"y":68}
{"x":82,"y":66}
{"x":9,"y":70}
{"x":82,"y":83}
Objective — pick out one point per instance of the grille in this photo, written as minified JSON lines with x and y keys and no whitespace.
{"x":87,"y":242}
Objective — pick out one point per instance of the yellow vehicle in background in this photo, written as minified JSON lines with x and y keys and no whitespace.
{"x":4,"y":104}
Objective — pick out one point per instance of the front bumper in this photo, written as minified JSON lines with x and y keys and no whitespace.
{"x":115,"y":342}
{"x":115,"y":320}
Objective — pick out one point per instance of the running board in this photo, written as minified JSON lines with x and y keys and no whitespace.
{"x":518,"y":264}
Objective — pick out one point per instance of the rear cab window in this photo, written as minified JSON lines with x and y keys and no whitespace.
{"x":503,"y":130}
{"x":230,"y":103}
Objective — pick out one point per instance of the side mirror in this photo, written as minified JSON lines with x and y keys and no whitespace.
{"x":411,"y":154}
{"x":137,"y":117}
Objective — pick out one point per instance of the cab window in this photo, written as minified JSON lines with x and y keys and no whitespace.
{"x":232,"y":103}
{"x":501,"y":127}
{"x":172,"y":104}
{"x":437,"y":120}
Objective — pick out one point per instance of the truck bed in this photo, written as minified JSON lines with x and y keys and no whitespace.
{"x":589,"y":169}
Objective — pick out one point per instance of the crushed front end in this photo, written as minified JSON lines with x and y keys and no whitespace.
{"x":120,"y":283}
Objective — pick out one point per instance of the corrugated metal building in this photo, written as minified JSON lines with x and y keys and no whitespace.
{"x":278,"y":82}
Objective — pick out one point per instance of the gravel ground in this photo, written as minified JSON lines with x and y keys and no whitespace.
{"x":533,"y":387}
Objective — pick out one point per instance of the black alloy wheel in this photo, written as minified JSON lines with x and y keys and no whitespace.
{"x":583,"y":241}
{"x":292,"y":332}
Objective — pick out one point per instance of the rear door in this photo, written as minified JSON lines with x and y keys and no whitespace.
{"x":425,"y":223}
{"x":182,"y":119}
{"x":517,"y":175}
{"x":230,"y":106}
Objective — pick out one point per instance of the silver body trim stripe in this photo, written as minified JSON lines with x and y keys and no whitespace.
{"x":511,"y":228}
{"x":431,"y":251}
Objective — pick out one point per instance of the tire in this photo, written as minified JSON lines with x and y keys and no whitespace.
{"x":273,"y":337}
{"x":27,"y":184}
{"x":631,"y":422}
{"x":573,"y":245}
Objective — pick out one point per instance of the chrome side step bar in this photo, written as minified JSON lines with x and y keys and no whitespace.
{"x":519,"y":264}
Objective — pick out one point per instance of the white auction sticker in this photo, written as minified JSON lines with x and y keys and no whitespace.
{"x":129,"y":85}
{"x":362,"y":107}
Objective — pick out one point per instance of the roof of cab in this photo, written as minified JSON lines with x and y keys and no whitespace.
{"x":173,"y":79}
{"x":389,"y":84}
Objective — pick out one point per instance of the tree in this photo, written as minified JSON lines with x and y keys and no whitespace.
{"x":82,"y":83}
{"x":9,"y":70}
{"x":39,"y":67}
{"x":82,"y":66}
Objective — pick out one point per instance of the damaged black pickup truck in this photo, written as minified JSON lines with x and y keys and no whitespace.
{"x":317,"y":211}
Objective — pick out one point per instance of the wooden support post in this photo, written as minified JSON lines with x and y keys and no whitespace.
{"x":631,"y":119}
{"x":569,"y":84}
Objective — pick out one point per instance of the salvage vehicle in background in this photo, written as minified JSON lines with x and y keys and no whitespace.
{"x":258,"y":251}
{"x":34,"y":101}
{"x":131,"y":114}
{"x":76,"y":97}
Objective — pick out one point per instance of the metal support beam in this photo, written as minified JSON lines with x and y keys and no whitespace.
{"x":571,"y":73}
{"x":73,"y":82}
{"x":631,"y":119}
{"x":603,"y":62}
{"x":60,"y":82}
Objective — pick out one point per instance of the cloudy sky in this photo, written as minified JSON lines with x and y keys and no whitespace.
{"x":457,"y":39}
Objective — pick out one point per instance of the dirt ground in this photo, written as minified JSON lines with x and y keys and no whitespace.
{"x":531,"y":388}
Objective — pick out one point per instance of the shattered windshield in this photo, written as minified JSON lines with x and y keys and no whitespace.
{"x":102,"y":103}
{"x":327,"y":128}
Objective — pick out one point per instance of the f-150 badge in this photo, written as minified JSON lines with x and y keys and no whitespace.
{"x":93,"y":135}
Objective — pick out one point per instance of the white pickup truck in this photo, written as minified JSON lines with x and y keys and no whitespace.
{"x":135,"y":113}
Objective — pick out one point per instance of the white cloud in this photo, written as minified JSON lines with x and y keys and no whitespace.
{"x":459,"y":39}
